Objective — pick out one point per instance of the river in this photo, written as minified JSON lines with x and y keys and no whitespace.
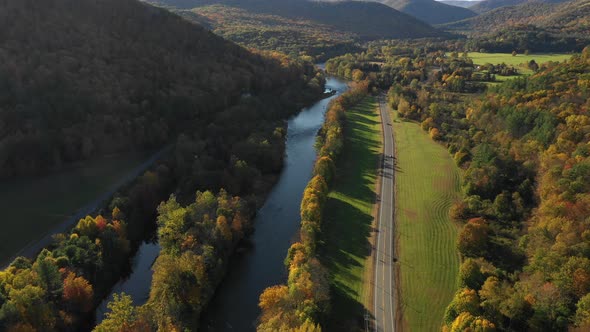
{"x":235,"y":305}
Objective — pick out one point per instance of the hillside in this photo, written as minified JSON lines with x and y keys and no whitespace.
{"x":567,"y":19}
{"x":82,"y":78}
{"x":487,"y":5}
{"x":365,"y":20}
{"x":430,"y":11}
{"x":460,"y":3}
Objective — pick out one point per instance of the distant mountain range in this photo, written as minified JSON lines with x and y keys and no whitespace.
{"x":367,"y":20}
{"x":569,"y":18}
{"x":430,"y":11}
{"x":460,"y":3}
{"x":487,"y":5}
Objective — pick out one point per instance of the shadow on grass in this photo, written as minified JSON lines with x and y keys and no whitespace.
{"x":348,"y":221}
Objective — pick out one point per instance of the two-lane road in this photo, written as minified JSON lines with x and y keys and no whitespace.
{"x":384,"y":287}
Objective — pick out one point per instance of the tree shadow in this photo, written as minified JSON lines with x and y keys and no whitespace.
{"x":347,"y":225}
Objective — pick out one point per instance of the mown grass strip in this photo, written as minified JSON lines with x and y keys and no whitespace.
{"x":427,"y":182}
{"x":346,"y":249}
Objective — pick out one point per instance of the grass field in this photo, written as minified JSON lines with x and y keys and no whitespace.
{"x":32,"y":207}
{"x":507,"y":58}
{"x":516,"y":61}
{"x":427,"y":182}
{"x":348,"y":217}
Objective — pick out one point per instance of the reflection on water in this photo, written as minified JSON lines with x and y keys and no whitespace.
{"x":139,"y":282}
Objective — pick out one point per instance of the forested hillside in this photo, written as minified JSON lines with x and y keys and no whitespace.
{"x":360,"y":20}
{"x":487,"y":5}
{"x":81,"y":78}
{"x":460,"y":3}
{"x":430,"y":11}
{"x":571,"y":19}
{"x":297,"y":37}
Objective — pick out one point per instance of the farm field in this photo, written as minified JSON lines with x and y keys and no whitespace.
{"x":348,"y":217}
{"x":516,"y":61}
{"x":427,"y":182}
{"x":507,"y":58}
{"x":33,"y":206}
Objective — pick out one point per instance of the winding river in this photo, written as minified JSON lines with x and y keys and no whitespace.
{"x":235,"y":305}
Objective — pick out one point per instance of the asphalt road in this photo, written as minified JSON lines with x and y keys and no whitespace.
{"x":384,"y":287}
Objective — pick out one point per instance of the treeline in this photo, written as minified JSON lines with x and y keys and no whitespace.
{"x":301,"y":304}
{"x":86,"y":78}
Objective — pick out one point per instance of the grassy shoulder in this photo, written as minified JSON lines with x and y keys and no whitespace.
{"x":346,"y":233}
{"x":427,"y":182}
{"x":33,"y":206}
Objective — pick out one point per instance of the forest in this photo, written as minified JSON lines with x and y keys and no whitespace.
{"x":227,"y":134}
{"x":66,"y":97}
{"x":83,"y":78}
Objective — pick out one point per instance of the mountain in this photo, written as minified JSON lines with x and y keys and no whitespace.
{"x":487,"y":5}
{"x":460,"y":3}
{"x":367,"y":20}
{"x":569,"y":18}
{"x":82,"y":78}
{"x":430,"y":11}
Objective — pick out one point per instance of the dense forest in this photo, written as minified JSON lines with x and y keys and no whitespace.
{"x":488,"y":5}
{"x":145,"y":78}
{"x":296,"y":37}
{"x":293,"y":26}
{"x":554,"y":25}
{"x":523,"y":147}
{"x":133,"y":85}
{"x":430,"y":11}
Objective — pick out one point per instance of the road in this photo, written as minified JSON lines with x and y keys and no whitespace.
{"x":384,"y":287}
{"x":30,"y":250}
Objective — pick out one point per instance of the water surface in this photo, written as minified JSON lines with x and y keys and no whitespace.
{"x":235,"y":306}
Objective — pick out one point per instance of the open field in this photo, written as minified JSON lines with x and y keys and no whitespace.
{"x":427,"y":182}
{"x":516,"y":61}
{"x":348,"y":217}
{"x":507,"y":58}
{"x":32,"y":207}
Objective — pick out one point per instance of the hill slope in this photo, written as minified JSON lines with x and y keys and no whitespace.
{"x":430,"y":11}
{"x":460,"y":3}
{"x":487,"y":5}
{"x":569,"y":18}
{"x":366,"y":20}
{"x":80,"y":78}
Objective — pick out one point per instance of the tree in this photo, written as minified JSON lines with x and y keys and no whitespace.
{"x":47,"y":271}
{"x":121,"y":317}
{"x":470,"y":274}
{"x":77,"y":293}
{"x":473,"y":238}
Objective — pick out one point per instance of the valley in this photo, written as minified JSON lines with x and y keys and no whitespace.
{"x":184,"y":165}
